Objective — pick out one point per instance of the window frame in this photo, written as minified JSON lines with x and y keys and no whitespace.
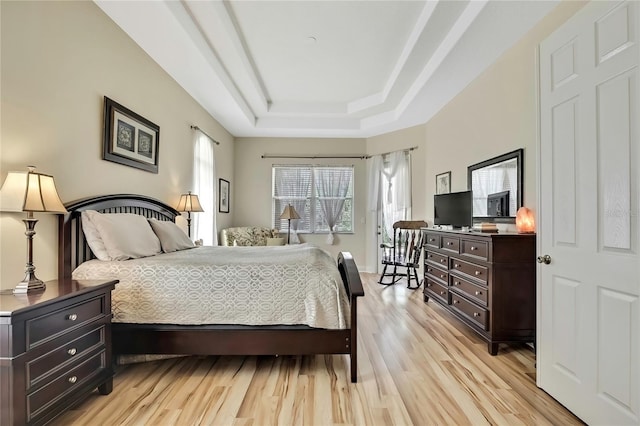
{"x":312,"y":199}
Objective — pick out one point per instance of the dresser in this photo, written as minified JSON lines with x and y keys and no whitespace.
{"x":488,"y":281}
{"x":55,"y":349}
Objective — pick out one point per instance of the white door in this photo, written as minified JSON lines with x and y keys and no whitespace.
{"x":588,"y":343}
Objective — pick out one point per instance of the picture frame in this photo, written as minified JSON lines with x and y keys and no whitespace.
{"x":443,"y":183}
{"x":224,"y":195}
{"x":129,"y":138}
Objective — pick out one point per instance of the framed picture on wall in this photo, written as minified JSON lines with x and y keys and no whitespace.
{"x":129,"y":138}
{"x":223,"y":196}
{"x":443,"y":183}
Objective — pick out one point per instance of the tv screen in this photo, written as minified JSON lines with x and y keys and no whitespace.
{"x":453,"y":209}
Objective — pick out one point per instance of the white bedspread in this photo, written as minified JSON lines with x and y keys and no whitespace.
{"x":296,"y":284}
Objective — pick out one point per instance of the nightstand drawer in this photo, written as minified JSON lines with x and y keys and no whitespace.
{"x":49,"y":363}
{"x":475,"y":313}
{"x":57,"y":389}
{"x":476,"y":271}
{"x":48,"y":326}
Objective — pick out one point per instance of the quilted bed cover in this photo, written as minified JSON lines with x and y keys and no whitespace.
{"x":288,"y":285}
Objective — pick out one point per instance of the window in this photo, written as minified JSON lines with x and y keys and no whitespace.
{"x":308,"y":189}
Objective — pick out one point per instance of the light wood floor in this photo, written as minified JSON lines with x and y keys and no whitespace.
{"x":417,"y":365}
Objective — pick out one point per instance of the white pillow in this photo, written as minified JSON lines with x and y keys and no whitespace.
{"x":171,"y":237}
{"x":125,"y":235}
{"x":92,"y":236}
{"x":275,"y":241}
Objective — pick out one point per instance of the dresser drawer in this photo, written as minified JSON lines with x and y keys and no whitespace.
{"x":451,"y":244}
{"x":433,"y":240}
{"x":476,"y":271}
{"x":47,"y":327}
{"x":440,"y":292}
{"x":470,"y":310}
{"x":48,"y":363}
{"x":438,"y":274}
{"x":64,"y":384}
{"x":437,"y":259}
{"x":479,"y":249}
{"x":475,"y":292}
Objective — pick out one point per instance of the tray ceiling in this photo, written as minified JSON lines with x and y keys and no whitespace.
{"x":324,"y":68}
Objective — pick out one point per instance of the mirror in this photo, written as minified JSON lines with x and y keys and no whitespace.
{"x":497,"y":187}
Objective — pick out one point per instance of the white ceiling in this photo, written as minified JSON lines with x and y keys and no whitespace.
{"x":324,"y":68}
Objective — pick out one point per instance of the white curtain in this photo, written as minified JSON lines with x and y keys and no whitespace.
{"x":375,"y":172}
{"x":295,"y":181}
{"x":332,"y":186}
{"x":490,"y":180}
{"x":204,"y":179}
{"x":396,"y":189}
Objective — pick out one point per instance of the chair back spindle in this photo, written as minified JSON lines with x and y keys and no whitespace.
{"x":404,"y":252}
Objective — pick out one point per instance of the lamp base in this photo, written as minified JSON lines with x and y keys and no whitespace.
{"x":30,"y":284}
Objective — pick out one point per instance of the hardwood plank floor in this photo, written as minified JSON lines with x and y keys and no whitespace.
{"x":417,"y":366}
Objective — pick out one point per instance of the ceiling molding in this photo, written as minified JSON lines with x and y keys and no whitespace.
{"x":319,"y":68}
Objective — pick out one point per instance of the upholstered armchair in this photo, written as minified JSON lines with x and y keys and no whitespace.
{"x":247,"y":236}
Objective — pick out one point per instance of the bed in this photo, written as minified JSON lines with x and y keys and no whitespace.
{"x":208,"y":338}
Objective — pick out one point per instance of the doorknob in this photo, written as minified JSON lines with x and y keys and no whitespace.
{"x":546,"y":259}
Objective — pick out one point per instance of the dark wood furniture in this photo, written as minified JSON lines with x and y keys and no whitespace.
{"x":206,"y":339}
{"x":55,"y":348}
{"x":487,"y":280}
{"x":404,"y":253}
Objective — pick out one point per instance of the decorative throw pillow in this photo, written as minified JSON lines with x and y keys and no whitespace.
{"x":126,"y":235}
{"x":171,"y":237}
{"x":275,"y":241}
{"x":92,"y":236}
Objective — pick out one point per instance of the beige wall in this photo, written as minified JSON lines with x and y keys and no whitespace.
{"x":495,"y":114}
{"x":59,"y":59}
{"x":252,"y":184}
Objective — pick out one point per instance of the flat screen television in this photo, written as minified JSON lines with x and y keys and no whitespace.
{"x":453,"y":209}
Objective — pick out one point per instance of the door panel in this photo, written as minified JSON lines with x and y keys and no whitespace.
{"x":588,"y":346}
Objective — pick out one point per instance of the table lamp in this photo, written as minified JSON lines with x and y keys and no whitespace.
{"x":30,"y":192}
{"x":289,"y":213}
{"x":189,"y":203}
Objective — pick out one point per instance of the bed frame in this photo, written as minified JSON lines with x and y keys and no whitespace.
{"x":205,"y":339}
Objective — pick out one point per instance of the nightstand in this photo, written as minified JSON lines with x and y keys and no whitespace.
{"x":55,"y":349}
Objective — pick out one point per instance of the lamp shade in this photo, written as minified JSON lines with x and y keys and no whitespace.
{"x":189,"y":203}
{"x":30,"y":192}
{"x":525,"y":222}
{"x":289,"y":213}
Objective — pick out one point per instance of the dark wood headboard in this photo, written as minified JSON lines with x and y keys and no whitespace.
{"x":72,"y":247}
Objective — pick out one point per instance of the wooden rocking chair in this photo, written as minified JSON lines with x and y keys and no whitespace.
{"x":404,"y":253}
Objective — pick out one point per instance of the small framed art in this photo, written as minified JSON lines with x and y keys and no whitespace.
{"x":223,"y":195}
{"x":443,"y":183}
{"x":129,"y":138}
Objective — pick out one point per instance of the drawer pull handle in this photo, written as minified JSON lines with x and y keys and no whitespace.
{"x":475,"y":314}
{"x":456,"y":283}
{"x":442,"y":260}
{"x":430,"y":256}
{"x":432,"y":239}
{"x":442,"y":276}
{"x":73,"y":317}
{"x":72,"y":351}
{"x":478,"y":272}
{"x":473,"y":248}
{"x":455,"y":265}
{"x":449,"y":243}
{"x":442,"y":293}
{"x":478,"y":293}
{"x":456,"y":301}
{"x":72,"y":379}
{"x":429,"y":285}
